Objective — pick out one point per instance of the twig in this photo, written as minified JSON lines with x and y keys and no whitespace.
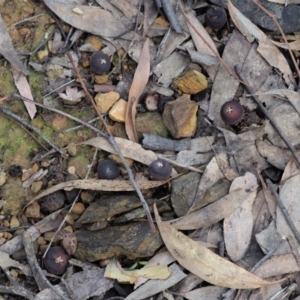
{"x":72,"y":206}
{"x":171,"y":16}
{"x":16,"y":288}
{"x":6,"y":110}
{"x":271,"y":119}
{"x":111,"y":140}
{"x":284,"y":211}
{"x":37,"y":272}
{"x":52,"y":91}
{"x":282,"y":33}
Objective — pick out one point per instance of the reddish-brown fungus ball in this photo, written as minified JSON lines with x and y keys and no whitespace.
{"x":159,"y":169}
{"x":99,"y":63}
{"x":232,"y":112}
{"x":56,"y":260}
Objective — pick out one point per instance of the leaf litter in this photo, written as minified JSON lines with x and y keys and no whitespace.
{"x":241,"y":154}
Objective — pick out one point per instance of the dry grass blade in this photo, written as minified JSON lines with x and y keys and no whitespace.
{"x":139,"y":83}
{"x":204,"y":263}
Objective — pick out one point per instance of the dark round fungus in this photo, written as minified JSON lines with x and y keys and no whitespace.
{"x":99,"y":63}
{"x":56,"y":260}
{"x":15,"y":171}
{"x":107,"y":169}
{"x":159,"y":169}
{"x":215,"y":17}
{"x":232,"y":112}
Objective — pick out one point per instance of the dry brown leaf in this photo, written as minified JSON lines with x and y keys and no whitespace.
{"x":200,"y":45}
{"x":215,"y":170}
{"x":289,"y":195}
{"x":278,"y":265}
{"x":295,"y":45}
{"x":139,"y":83}
{"x":292,"y":96}
{"x":7,"y":49}
{"x":128,"y":148}
{"x":93,"y":19}
{"x":239,"y":224}
{"x":115,"y":271}
{"x":266,"y":49}
{"x":212,"y":213}
{"x":7,"y":262}
{"x":98,"y":185}
{"x":24,"y":90}
{"x":204,"y":263}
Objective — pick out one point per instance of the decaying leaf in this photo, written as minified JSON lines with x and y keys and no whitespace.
{"x":216,"y":169}
{"x":98,"y":185}
{"x":93,"y":19}
{"x":115,"y":271}
{"x":128,"y":148}
{"x":214,"y":212}
{"x":239,"y":224}
{"x":266,"y":49}
{"x":289,"y":195}
{"x":204,"y":263}
{"x":139,"y":83}
{"x":24,"y":90}
{"x":7,"y":49}
{"x":292,"y":96}
{"x":7,"y":262}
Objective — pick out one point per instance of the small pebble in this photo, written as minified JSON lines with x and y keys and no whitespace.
{"x":41,"y":241}
{"x":72,"y":170}
{"x":14,"y":222}
{"x":36,"y":186}
{"x":2,"y":178}
{"x":48,"y":236}
{"x":33,"y":211}
{"x":78,"y":208}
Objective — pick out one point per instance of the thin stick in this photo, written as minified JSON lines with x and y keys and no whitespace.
{"x":72,"y":206}
{"x":271,"y":119}
{"x":7,"y":111}
{"x":111,"y":140}
{"x":282,"y":33}
{"x":284,"y":211}
{"x":37,"y":272}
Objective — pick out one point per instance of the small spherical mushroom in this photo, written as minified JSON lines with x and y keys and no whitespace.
{"x":159,"y":169}
{"x":215,"y":17}
{"x":56,"y":260}
{"x":99,"y":63}
{"x":107,"y":169}
{"x":232,"y":112}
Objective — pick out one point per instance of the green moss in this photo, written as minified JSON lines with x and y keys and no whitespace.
{"x":7,"y":85}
